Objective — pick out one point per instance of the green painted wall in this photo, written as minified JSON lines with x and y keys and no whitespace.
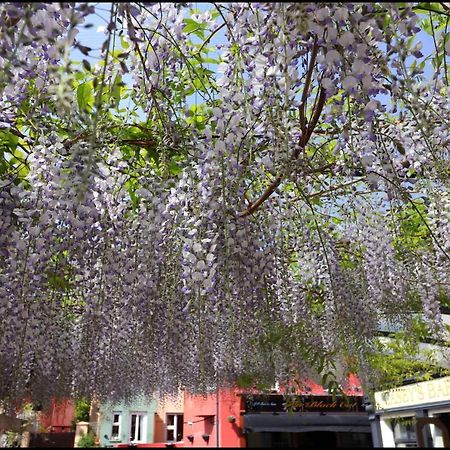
{"x":139,"y":405}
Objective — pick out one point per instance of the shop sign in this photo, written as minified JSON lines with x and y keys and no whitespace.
{"x":302,"y":403}
{"x":414,"y":394}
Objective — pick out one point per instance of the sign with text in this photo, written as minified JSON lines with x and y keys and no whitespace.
{"x":302,"y":403}
{"x":414,"y":394}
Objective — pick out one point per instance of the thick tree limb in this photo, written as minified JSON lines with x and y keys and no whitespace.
{"x":269,"y":191}
{"x":302,"y":108}
{"x":303,"y":142}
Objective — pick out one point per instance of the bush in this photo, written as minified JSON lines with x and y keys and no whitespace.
{"x":88,"y":440}
{"x":82,"y":408}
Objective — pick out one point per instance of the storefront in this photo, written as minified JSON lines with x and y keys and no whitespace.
{"x":415,"y":415}
{"x":314,"y":421}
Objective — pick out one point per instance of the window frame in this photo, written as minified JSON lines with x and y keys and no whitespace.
{"x":404,"y":432}
{"x":143,"y":430}
{"x":117,"y":424}
{"x":174,"y":427}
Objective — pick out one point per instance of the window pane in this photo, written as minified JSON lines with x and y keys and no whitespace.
{"x":115,"y":431}
{"x":179,"y":427}
{"x":116,"y":418}
{"x":140,"y":422}
{"x":170,"y":435}
{"x":405,"y":430}
{"x":170,"y":419}
{"x":133,"y":426}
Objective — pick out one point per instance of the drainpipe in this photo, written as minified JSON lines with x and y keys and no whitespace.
{"x":217,"y":414}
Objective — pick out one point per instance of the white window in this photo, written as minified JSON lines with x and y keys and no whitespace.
{"x":138,"y":427}
{"x":174,"y":427}
{"x":405,"y":432}
{"x":116,"y":425}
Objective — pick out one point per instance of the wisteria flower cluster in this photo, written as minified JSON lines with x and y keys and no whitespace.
{"x":267,"y":238}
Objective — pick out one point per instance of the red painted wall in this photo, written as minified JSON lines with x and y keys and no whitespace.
{"x":200,"y":419}
{"x":231,"y":420}
{"x":200,"y":413}
{"x":59,"y":417}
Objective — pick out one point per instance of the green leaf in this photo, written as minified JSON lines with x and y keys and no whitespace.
{"x":174,"y":168}
{"x":80,"y":75}
{"x":192,"y":25}
{"x":210,"y":60}
{"x":58,"y":281}
{"x":125,"y":45}
{"x":85,"y":96}
{"x":214,"y":14}
{"x":117,"y":89}
{"x":8,"y":138}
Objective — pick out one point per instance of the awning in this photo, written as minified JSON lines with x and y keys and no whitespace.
{"x":307,"y":422}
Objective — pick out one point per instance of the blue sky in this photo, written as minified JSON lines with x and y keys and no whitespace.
{"x":94,"y":37}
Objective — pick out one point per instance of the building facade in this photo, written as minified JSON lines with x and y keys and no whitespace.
{"x":126,"y":423}
{"x":314,"y":418}
{"x":234,"y":418}
{"x":213,"y":420}
{"x":415,"y":415}
{"x":169,"y":419}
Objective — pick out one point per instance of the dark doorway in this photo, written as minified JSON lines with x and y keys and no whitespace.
{"x":49,"y":440}
{"x":312,"y":439}
{"x":317,"y":439}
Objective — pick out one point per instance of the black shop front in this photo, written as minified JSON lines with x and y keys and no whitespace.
{"x":312,"y":421}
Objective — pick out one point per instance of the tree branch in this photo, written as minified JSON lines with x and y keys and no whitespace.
{"x":302,"y":108}
{"x":269,"y":191}
{"x":302,"y":144}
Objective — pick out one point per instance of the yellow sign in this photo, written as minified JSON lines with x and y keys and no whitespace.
{"x":414,"y":394}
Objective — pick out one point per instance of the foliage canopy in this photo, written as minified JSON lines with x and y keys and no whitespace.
{"x":183,"y":214}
